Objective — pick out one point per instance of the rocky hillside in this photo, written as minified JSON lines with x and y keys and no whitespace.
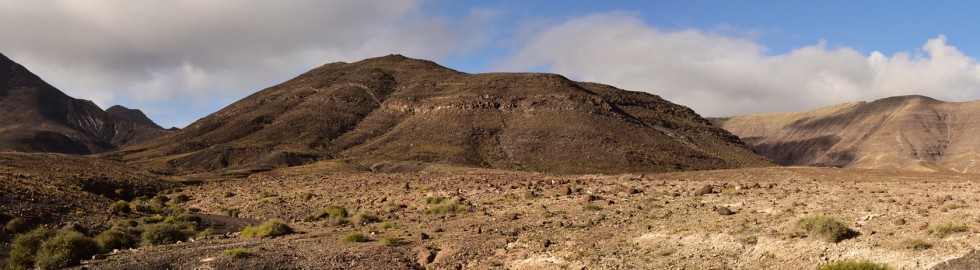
{"x":36,"y":117}
{"x":382,"y":113}
{"x":906,"y":132}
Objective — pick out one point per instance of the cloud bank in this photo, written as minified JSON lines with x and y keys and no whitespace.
{"x":173,"y":57}
{"x":719,"y":75}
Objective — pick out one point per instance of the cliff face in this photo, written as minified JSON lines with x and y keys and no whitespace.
{"x":36,"y":117}
{"x":396,"y":109}
{"x":907,"y":132}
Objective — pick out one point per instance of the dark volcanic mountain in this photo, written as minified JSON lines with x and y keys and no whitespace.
{"x":907,"y":132}
{"x":132,"y":115}
{"x":36,"y":117}
{"x":383,"y":111}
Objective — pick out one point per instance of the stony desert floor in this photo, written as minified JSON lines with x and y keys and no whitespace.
{"x":504,"y":220}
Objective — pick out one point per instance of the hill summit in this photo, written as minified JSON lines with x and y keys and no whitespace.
{"x":390,"y":110}
{"x":905,"y":132}
{"x":37,"y":117}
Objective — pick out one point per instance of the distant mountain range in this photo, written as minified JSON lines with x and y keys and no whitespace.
{"x":36,"y":117}
{"x":907,"y":132}
{"x":382,"y":112}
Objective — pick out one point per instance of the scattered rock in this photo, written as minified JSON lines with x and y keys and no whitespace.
{"x":565,"y":190}
{"x":899,"y":221}
{"x":724,"y":211}
{"x":706,"y":189}
{"x":426,"y":256}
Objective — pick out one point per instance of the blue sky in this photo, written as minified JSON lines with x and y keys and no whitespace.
{"x":181,"y":60}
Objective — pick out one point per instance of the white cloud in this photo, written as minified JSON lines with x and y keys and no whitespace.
{"x":720,"y":75}
{"x":187,"y":53}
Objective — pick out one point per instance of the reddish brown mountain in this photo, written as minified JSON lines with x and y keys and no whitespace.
{"x":385,"y":111}
{"x":36,"y":117}
{"x":907,"y":132}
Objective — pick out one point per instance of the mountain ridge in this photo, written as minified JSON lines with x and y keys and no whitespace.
{"x":395,"y":109}
{"x":37,"y":117}
{"x":911,"y":132}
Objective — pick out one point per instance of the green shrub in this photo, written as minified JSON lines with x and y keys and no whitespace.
{"x":267,"y":194}
{"x":442,"y":207}
{"x":365,"y":218}
{"x":181,"y":198}
{"x":236,"y":253}
{"x":331,"y":211}
{"x":307,"y":196}
{"x":66,"y":248}
{"x":119,"y":207}
{"x":160,"y":234}
{"x":854,"y":265}
{"x":25,"y":247}
{"x":335,"y":211}
{"x":392,"y":241}
{"x":207,"y":232}
{"x":270,"y":228}
{"x":115,"y":239}
{"x":152,"y":219}
{"x":825,"y":227}
{"x":944,"y":230}
{"x":434,"y":200}
{"x":915,"y":244}
{"x":229,"y":194}
{"x":355,"y":237}
{"x":593,"y":207}
{"x":387,"y":225}
{"x":231,"y":212}
{"x":17,"y":225}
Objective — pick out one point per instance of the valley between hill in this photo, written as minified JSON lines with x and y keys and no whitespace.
{"x":505,"y":220}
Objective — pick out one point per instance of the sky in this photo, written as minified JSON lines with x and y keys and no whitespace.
{"x":180,"y":60}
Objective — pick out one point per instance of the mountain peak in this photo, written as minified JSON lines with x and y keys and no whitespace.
{"x":390,"y":110}
{"x":134,"y":115}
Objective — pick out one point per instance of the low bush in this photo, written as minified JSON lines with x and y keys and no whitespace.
{"x":330,"y":211}
{"x":270,"y":228}
{"x":17,"y":225}
{"x":152,"y":219}
{"x":231,"y":212}
{"x":392,"y":241}
{"x":365,"y":218}
{"x":236,"y":253}
{"x":229,"y":194}
{"x":207,"y":232}
{"x":181,"y":198}
{"x":827,"y":228}
{"x":915,"y":244}
{"x":434,"y":200}
{"x":65,"y":248}
{"x":267,"y":194}
{"x":441,"y":206}
{"x":115,"y":239}
{"x":944,"y":230}
{"x":387,"y":225}
{"x":355,"y":237}
{"x":854,"y":265}
{"x":119,"y":207}
{"x":25,"y":247}
{"x":160,"y":234}
{"x":593,"y":207}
